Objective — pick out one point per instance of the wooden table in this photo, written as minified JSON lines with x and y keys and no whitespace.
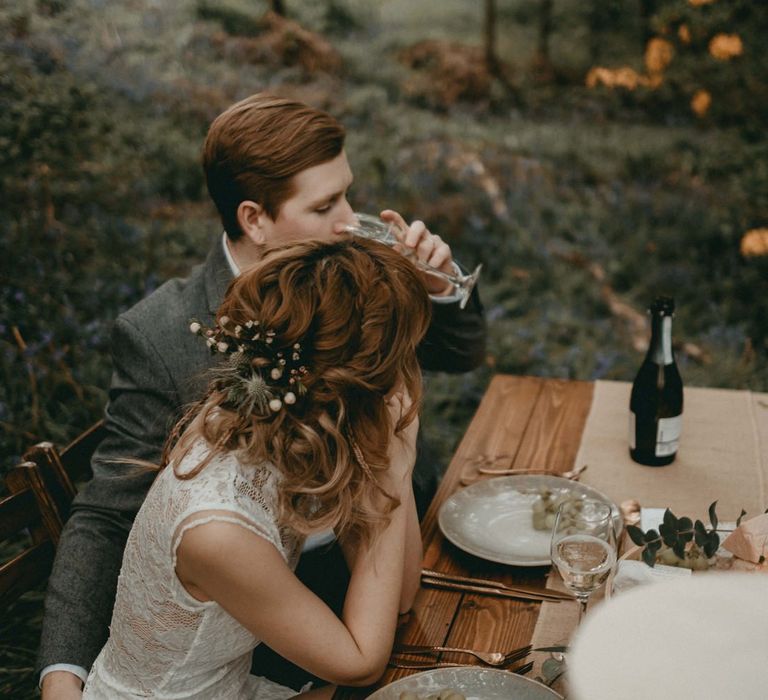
{"x":536,"y":423}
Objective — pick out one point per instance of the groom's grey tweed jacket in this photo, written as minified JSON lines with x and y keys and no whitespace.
{"x":159,"y":369}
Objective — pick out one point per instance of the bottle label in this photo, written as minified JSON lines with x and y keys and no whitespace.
{"x":668,"y":436}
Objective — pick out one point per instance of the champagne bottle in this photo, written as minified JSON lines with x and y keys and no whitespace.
{"x":656,"y":404}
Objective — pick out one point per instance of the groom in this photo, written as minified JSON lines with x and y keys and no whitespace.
{"x":277,"y":172}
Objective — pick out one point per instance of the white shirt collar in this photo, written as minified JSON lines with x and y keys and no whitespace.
{"x":228,"y":255}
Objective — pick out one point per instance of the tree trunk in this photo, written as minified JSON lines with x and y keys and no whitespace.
{"x":545,"y":30}
{"x":596,"y":25}
{"x":541,"y":67}
{"x":647,"y":11}
{"x":489,"y":31}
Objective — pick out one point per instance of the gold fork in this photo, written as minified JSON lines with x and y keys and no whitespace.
{"x":491,"y":658}
{"x":572,"y":474}
{"x":521,"y":670}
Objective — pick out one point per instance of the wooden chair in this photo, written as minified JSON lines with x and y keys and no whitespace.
{"x":41,"y":490}
{"x":63,"y":470}
{"x":27,"y":514}
{"x":76,"y":456}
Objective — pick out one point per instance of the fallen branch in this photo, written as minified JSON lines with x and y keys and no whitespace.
{"x":635,"y":319}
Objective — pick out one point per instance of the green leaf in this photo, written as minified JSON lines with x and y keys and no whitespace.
{"x":701,"y":533}
{"x":712,"y":544}
{"x":668,"y":534}
{"x":649,"y":556}
{"x":651,"y":536}
{"x":685,"y":529}
{"x":636,"y":535}
{"x":741,"y":515}
{"x":679,"y":549}
{"x":669,"y":519}
{"x":713,"y":515}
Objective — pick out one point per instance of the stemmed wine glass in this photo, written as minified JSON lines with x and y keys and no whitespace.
{"x":583,"y":546}
{"x":374,"y":228}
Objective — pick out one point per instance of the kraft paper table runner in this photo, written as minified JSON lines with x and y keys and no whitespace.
{"x":723,"y":453}
{"x":723,"y":456}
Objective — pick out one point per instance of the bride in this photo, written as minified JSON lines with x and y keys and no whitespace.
{"x":309,"y":423}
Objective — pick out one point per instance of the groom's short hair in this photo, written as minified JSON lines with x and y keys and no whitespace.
{"x":255,"y":147}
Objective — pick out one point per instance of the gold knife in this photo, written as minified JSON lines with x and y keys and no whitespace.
{"x":486,"y":590}
{"x":440,"y":577}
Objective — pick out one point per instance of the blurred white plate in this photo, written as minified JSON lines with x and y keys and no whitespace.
{"x":700,"y":637}
{"x":493,"y":519}
{"x":474,"y":682}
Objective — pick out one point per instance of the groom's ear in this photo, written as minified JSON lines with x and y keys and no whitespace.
{"x":252,"y":219}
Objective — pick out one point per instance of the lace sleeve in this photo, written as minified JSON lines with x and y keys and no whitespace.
{"x":267,"y":532}
{"x":270,"y":534}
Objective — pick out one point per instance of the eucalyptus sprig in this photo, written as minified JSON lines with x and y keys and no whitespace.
{"x":676,"y":533}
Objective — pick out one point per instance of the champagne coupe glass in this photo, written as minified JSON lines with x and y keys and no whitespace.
{"x":375,"y":229}
{"x":583,"y":546}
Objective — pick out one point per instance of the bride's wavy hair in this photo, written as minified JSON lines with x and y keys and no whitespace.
{"x":358,"y":310}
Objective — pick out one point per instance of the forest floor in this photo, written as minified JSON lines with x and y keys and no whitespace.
{"x":581,"y":203}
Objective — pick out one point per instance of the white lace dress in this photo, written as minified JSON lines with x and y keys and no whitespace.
{"x":163,"y":643}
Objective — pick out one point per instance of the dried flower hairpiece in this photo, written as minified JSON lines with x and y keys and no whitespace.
{"x":259,"y":375}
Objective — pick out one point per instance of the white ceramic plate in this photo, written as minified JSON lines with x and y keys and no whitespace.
{"x":474,"y":682}
{"x":492,"y":519}
{"x":711,"y":624}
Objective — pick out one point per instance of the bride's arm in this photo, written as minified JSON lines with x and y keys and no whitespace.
{"x":246,"y":575}
{"x":414,"y":555}
{"x":414,"y":548}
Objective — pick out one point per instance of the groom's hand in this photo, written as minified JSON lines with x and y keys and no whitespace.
{"x":61,"y":685}
{"x":427,"y":247}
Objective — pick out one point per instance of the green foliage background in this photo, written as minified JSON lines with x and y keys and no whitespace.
{"x":571,"y":197}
